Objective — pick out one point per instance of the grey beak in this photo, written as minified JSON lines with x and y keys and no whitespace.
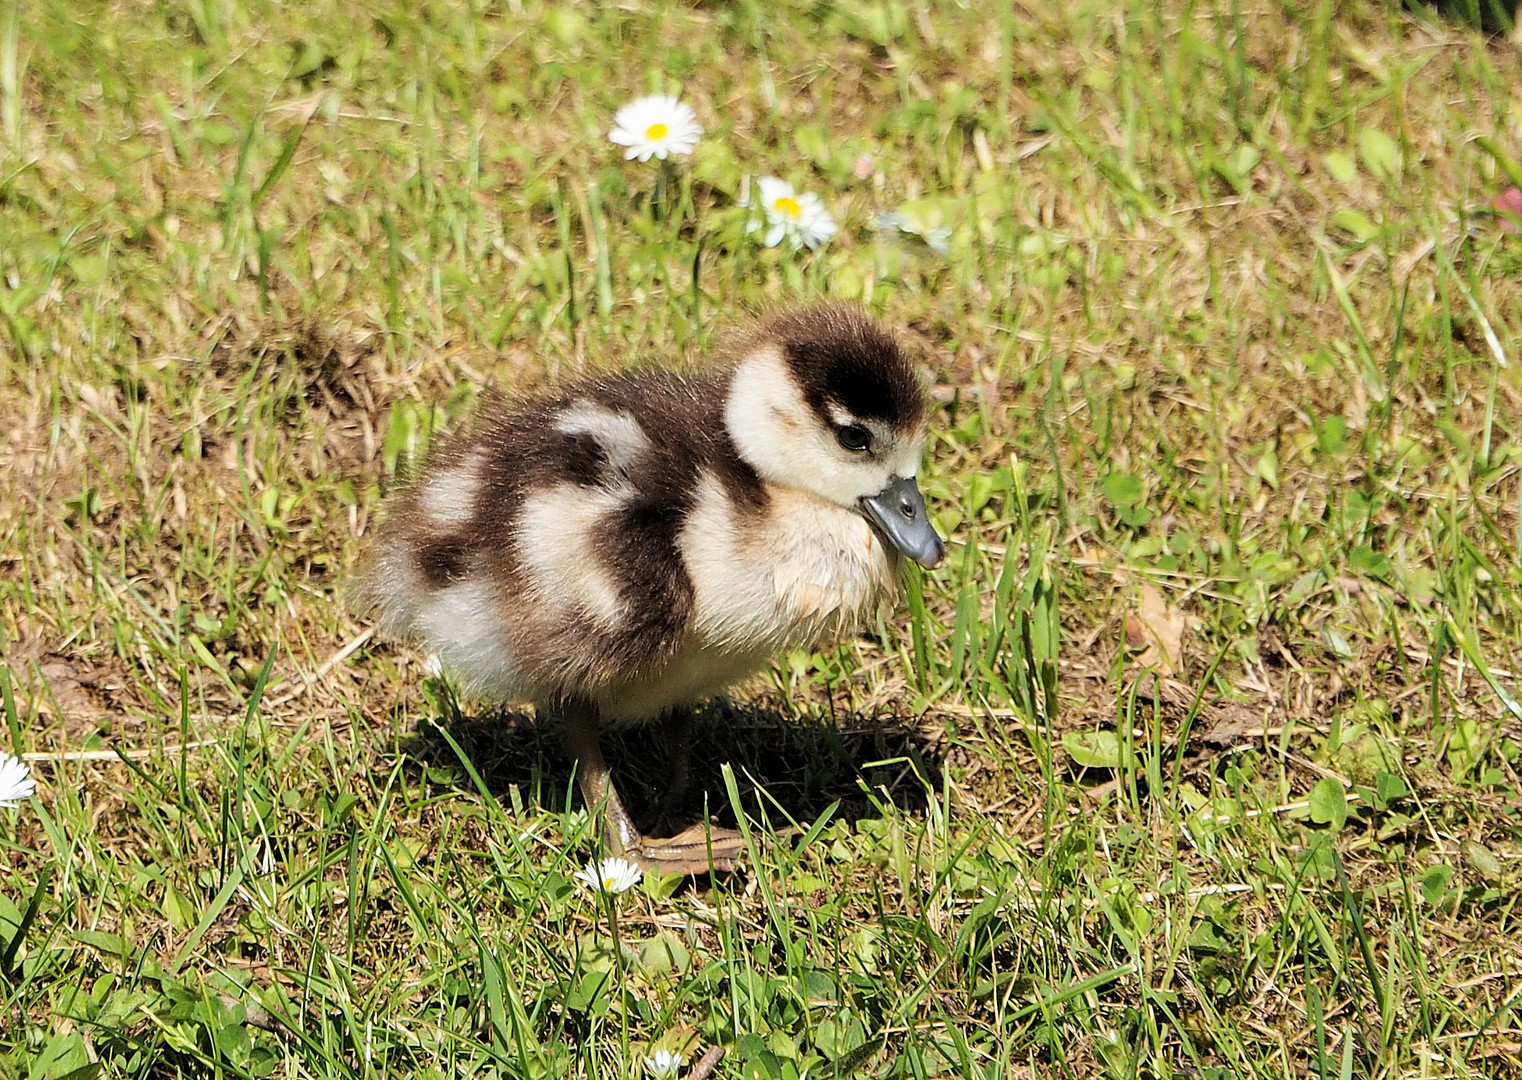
{"x":899,"y":511}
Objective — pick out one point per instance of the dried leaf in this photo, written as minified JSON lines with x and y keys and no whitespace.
{"x":1232,"y":724}
{"x":1157,"y":629}
{"x":66,"y":691}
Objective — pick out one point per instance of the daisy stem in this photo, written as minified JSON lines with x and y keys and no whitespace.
{"x":618,"y":948}
{"x":666,"y":191}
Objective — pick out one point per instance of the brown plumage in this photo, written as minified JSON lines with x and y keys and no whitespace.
{"x":638,"y":542}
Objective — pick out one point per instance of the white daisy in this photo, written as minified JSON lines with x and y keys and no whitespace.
{"x":798,"y":218}
{"x":655,"y":126}
{"x":664,"y":1064}
{"x":611,"y":876}
{"x":16,"y":781}
{"x":936,"y":237}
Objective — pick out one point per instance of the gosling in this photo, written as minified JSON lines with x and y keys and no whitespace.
{"x":636,"y":543}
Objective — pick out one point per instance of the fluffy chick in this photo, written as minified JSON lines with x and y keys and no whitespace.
{"x":636,"y":543}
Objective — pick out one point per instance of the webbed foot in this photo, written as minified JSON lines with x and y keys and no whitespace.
{"x":697,"y":849}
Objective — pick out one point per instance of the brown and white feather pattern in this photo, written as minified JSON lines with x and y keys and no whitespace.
{"x":614,"y":544}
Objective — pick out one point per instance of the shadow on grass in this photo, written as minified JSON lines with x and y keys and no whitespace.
{"x":784,"y":768}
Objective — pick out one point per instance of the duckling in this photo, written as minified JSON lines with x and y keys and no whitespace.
{"x":636,"y":543}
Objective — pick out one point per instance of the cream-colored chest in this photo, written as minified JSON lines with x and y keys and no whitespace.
{"x":799,"y":572}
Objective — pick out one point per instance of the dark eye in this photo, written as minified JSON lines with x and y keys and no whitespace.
{"x":853,"y":437}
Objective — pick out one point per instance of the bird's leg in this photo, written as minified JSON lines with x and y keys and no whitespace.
{"x":578,"y":734}
{"x":701,"y":842}
{"x":695,"y":851}
{"x":678,"y":725}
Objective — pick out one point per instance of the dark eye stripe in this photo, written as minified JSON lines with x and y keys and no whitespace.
{"x":853,"y":437}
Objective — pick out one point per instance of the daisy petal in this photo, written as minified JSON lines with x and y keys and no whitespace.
{"x":612,"y":876}
{"x":800,"y":218}
{"x":16,"y":781}
{"x":664,"y":1064}
{"x":655,"y":126}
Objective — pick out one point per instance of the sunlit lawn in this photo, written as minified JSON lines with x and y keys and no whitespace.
{"x":1199,"y":755}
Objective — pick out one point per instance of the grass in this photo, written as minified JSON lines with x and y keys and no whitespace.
{"x":1198,"y":757}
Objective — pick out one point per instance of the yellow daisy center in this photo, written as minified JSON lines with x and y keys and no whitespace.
{"x":788,"y":205}
{"x":657,"y":131}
